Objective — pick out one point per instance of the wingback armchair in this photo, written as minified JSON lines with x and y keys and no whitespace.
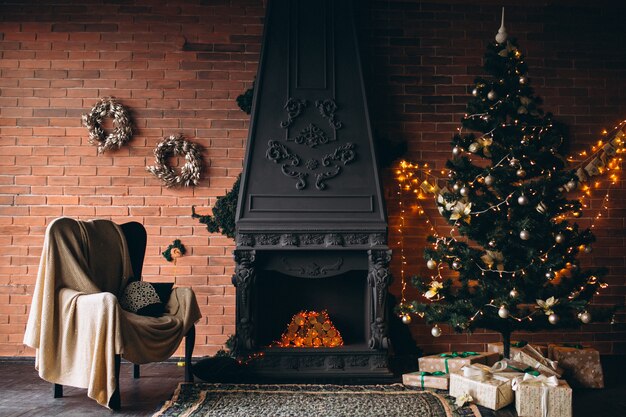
{"x":76,"y":324}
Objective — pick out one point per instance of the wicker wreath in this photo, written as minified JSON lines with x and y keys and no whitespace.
{"x":122,"y":131}
{"x":172,"y":146}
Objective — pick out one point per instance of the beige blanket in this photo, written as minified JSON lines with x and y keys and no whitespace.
{"x":75,"y":321}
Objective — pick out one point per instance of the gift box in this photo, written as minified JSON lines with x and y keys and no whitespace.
{"x":439,"y":380}
{"x":582,"y":365}
{"x":487,"y":388}
{"x":515,"y":346}
{"x":542,"y":396}
{"x":453,"y":361}
{"x":530,"y":356}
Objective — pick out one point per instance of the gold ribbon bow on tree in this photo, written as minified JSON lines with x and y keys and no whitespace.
{"x":491,"y":258}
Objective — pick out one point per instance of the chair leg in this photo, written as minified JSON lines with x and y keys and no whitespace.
{"x":190,"y":341}
{"x":115,"y":401}
{"x":136,"y":373}
{"x":58,"y":391}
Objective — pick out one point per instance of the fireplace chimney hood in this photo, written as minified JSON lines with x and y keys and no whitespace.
{"x":310,"y":165}
{"x":311,"y":229}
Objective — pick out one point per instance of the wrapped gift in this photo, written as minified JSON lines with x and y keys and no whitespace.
{"x":489,"y":388}
{"x":532,"y":357}
{"x":423,"y":380}
{"x":542,"y":396}
{"x":582,"y":365}
{"x":515,"y":346}
{"x":454,"y":361}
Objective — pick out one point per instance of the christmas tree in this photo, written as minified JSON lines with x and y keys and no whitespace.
{"x":513,"y":243}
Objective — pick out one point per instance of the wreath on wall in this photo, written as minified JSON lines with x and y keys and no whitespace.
{"x":122,"y":125}
{"x":176,"y":145}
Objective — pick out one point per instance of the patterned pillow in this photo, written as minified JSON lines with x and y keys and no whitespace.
{"x":146,"y":299}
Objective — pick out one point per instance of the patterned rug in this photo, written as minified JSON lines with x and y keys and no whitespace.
{"x":237,"y":400}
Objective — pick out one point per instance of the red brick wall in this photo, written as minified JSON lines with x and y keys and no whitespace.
{"x":58,"y":58}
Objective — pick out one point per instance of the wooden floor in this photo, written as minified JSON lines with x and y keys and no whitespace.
{"x":23,"y":393}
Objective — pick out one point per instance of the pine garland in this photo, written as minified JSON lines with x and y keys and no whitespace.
{"x":223,"y":218}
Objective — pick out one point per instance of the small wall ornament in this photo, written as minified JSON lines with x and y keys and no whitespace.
{"x":175,"y":145}
{"x":174,"y":251}
{"x":122,"y":125}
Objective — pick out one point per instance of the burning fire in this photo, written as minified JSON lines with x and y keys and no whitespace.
{"x":310,"y":329}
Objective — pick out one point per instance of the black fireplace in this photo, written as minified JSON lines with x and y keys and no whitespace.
{"x":311,"y":226}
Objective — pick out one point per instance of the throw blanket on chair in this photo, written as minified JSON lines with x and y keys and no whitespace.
{"x":75,"y":321}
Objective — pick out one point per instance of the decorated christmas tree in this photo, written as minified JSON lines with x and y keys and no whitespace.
{"x":513,"y":246}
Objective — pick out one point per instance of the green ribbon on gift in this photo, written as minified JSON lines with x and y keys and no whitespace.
{"x":519,"y":344}
{"x":529,"y":370}
{"x":573,"y":345}
{"x":456,"y":355}
{"x":423,"y":374}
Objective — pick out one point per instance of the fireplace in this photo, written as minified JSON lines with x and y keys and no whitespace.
{"x":311,"y":226}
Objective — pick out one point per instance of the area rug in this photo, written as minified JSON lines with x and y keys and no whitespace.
{"x":238,"y":400}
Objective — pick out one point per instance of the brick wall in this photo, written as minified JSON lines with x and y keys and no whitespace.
{"x":179,"y":65}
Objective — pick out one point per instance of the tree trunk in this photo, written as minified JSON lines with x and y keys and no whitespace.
{"x":506,"y":343}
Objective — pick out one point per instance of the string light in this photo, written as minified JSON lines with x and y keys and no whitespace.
{"x":412,"y":182}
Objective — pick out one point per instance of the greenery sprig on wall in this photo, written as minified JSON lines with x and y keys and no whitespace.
{"x":223,"y":218}
{"x":244,"y":100}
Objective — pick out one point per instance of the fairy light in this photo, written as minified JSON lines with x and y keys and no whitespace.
{"x":410,"y":175}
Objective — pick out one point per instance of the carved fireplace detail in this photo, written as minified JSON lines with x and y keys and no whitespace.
{"x":311,"y":226}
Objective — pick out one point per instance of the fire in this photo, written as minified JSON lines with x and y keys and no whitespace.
{"x":310,"y":329}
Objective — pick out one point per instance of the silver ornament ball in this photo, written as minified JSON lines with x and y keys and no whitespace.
{"x":464,"y":191}
{"x":524,"y":235}
{"x":571,"y":185}
{"x":585,"y":317}
{"x":559,"y":238}
{"x":475,"y":92}
{"x":553,"y":318}
{"x":514,"y":293}
{"x":513,"y":162}
{"x":406,"y":319}
{"x":520,"y":173}
{"x":522,"y":200}
{"x":456,"y":187}
{"x":523,"y":80}
{"x":456,"y":264}
{"x":503,"y":312}
{"x":435,"y":331}
{"x":550,"y":275}
{"x":588,"y":249}
{"x":492,"y":243}
{"x":431,"y":264}
{"x":489,"y":180}
{"x":456,"y":151}
{"x":492,"y":95}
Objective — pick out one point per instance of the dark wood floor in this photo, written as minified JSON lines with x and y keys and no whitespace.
{"x":23,"y":393}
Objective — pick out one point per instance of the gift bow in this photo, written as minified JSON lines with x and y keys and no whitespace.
{"x":423,"y":374}
{"x":456,"y":355}
{"x":481,"y":372}
{"x":545,"y":382}
{"x":541,"y":360}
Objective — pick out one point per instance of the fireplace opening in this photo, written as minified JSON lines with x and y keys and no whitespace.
{"x":343,"y":297}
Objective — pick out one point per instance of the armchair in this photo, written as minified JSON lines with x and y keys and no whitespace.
{"x":76,"y":324}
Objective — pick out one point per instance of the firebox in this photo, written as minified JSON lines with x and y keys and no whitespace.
{"x":310,"y":225}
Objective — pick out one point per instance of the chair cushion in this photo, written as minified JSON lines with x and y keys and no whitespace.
{"x":145,"y":298}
